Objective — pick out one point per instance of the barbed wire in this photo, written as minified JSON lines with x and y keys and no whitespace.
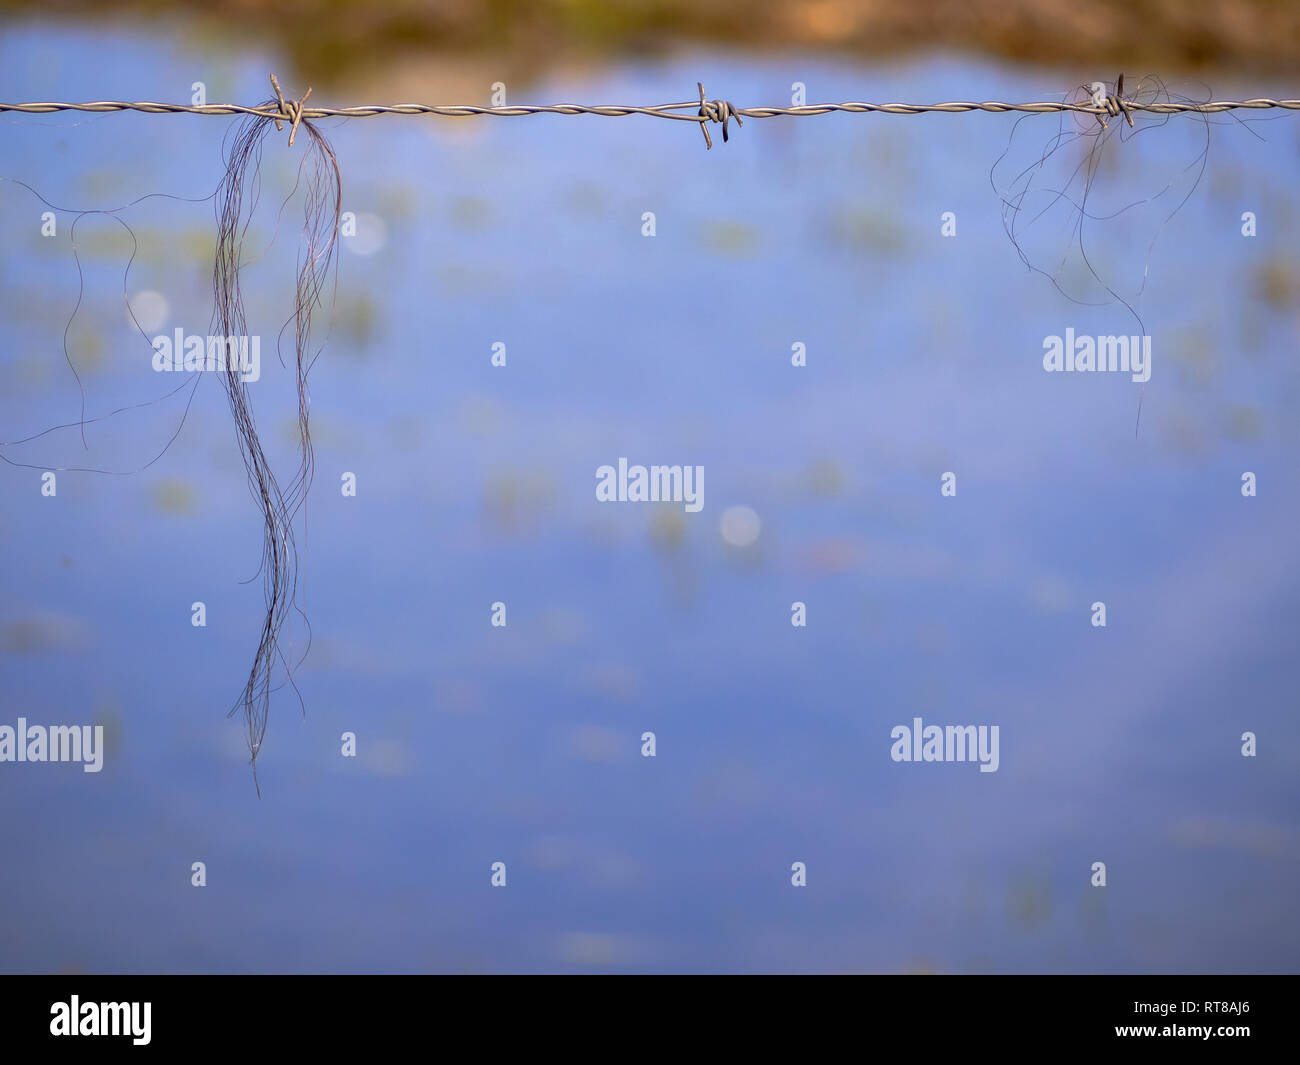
{"x":706,"y":111}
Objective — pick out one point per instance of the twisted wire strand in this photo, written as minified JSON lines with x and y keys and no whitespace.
{"x":686,"y":111}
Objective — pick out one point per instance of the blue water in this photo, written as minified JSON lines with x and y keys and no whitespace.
{"x":476,"y":485}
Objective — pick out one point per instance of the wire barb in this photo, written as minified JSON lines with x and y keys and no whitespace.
{"x":290,"y":110}
{"x":715,"y":111}
{"x":1115,"y":104}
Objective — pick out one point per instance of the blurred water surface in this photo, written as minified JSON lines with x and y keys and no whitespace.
{"x":475,"y":484}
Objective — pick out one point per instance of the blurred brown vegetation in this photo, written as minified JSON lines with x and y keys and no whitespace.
{"x":332,"y":42}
